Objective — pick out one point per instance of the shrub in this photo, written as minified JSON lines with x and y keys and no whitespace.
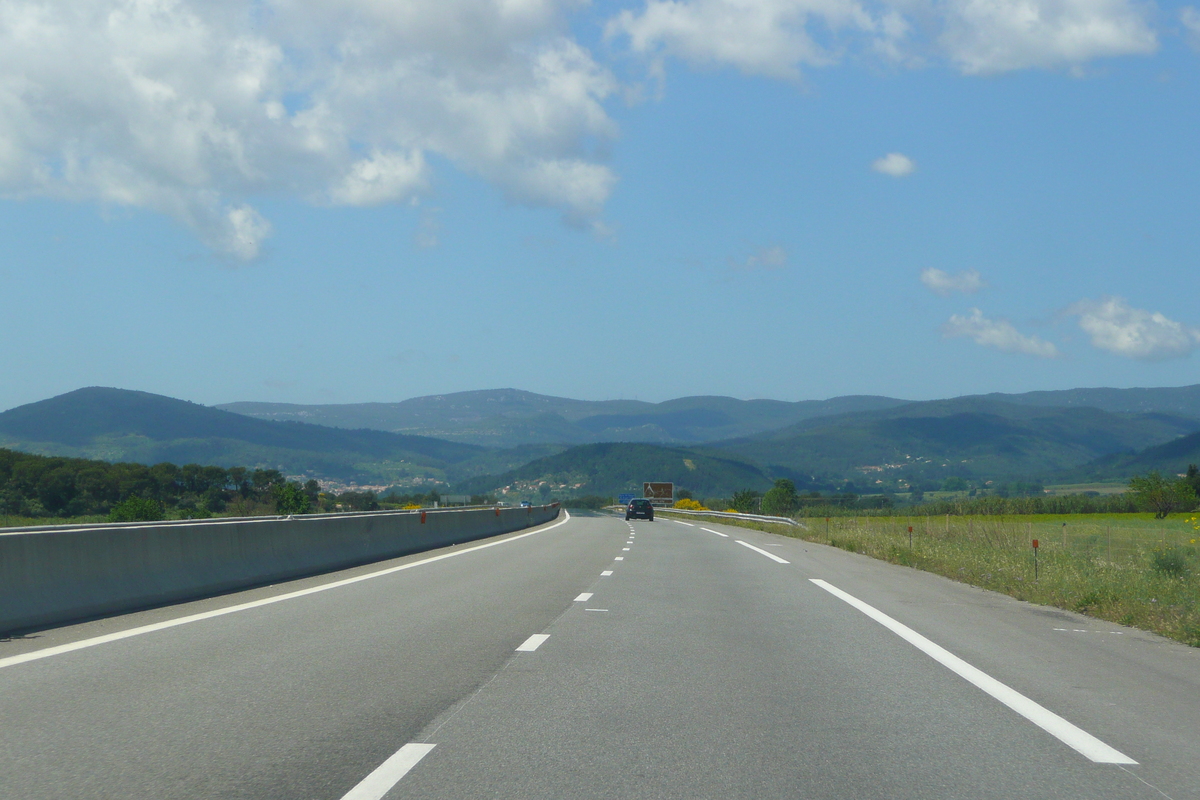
{"x":688,"y":504}
{"x":136,"y":509}
{"x":1170,"y":561}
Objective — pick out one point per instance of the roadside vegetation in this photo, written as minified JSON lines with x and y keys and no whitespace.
{"x":1140,"y":568}
{"x":44,"y":490}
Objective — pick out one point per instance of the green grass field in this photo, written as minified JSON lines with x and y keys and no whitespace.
{"x":1129,"y":568}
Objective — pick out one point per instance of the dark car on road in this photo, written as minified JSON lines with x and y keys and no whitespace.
{"x":639,"y":508}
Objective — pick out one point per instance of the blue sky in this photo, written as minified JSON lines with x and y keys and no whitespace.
{"x":309,"y":201}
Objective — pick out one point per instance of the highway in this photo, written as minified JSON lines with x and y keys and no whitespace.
{"x":598,"y":658}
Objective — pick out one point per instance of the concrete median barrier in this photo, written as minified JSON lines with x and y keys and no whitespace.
{"x":49,"y":576}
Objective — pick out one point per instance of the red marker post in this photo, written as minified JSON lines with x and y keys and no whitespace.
{"x":910,"y":537}
{"x":1035,"y":566}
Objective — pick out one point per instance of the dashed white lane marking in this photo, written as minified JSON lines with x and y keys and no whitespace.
{"x":595,"y":609}
{"x":718,"y":533}
{"x":583,"y":597}
{"x":606,"y":573}
{"x":771,"y":556}
{"x":1039,"y":715}
{"x":681,"y":522}
{"x":389,"y":773}
{"x":624,"y":549}
{"x":266,"y":601}
{"x":619,"y":558}
{"x":533,"y":643}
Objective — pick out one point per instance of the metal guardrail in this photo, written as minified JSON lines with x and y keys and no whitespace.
{"x":725,"y":514}
{"x":731,"y":515}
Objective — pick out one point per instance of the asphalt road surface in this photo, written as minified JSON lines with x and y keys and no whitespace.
{"x":595,"y":658}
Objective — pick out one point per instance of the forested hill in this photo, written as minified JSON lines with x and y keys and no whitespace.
{"x":969,"y":437}
{"x":1179,"y":401}
{"x":122,"y":425}
{"x":1171,"y":457}
{"x":612,"y":468}
{"x":509,"y":417}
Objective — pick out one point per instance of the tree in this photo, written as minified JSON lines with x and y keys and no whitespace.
{"x":780,"y":500}
{"x":290,"y":498}
{"x":745,"y":501}
{"x":1193,"y":478}
{"x":1155,"y":493}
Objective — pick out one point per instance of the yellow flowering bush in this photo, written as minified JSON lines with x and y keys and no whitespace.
{"x":688,"y":504}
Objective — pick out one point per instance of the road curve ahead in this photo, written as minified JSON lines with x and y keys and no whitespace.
{"x":598,"y":658}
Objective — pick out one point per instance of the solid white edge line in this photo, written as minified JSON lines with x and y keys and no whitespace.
{"x":389,"y":773}
{"x":266,"y":601}
{"x":718,"y":533}
{"x":771,"y":556}
{"x":583,"y":597}
{"x":1039,"y":715}
{"x":533,"y":643}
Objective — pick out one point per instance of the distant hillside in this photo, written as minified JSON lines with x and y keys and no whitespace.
{"x":121,"y":425}
{"x":609,"y":469}
{"x":1180,"y":401}
{"x":1169,"y":458}
{"x":969,"y":437}
{"x":508,"y":417}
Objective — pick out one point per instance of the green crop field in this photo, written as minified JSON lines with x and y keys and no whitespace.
{"x":1126,"y":568}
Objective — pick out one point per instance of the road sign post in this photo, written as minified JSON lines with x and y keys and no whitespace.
{"x":659,"y":493}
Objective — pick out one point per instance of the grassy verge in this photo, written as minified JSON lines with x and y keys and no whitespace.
{"x":1130,"y":568}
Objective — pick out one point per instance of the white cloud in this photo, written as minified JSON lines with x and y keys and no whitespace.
{"x":779,"y":37}
{"x":1133,"y":332}
{"x":382,"y":178}
{"x":997,"y":334}
{"x":897,"y":165}
{"x":1190,"y":17}
{"x":943,"y":283}
{"x":192,"y":108}
{"x":989,"y":36}
{"x":773,"y":257}
{"x":759,"y":37}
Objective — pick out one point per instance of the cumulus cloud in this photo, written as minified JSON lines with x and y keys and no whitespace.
{"x":774,"y":257}
{"x":897,"y":165}
{"x":997,"y":334}
{"x":761,"y":37}
{"x":943,"y":283}
{"x":779,"y":37}
{"x":989,"y":36}
{"x":1132,"y":332}
{"x":192,"y":108}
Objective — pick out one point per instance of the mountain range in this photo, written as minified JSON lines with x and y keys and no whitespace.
{"x":718,"y":443}
{"x":122,"y":425}
{"x":510,"y":417}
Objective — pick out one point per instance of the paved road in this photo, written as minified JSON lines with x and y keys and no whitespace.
{"x":700,"y":667}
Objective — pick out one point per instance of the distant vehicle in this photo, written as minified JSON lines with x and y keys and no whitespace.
{"x":526,"y":504}
{"x":639,"y":507}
